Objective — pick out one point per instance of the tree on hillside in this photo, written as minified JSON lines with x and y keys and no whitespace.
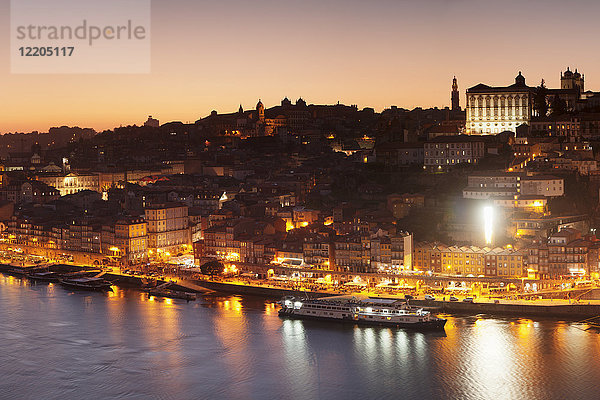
{"x":559,"y":106}
{"x":539,"y":101}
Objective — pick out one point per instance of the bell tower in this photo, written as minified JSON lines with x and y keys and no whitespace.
{"x":260,"y":110}
{"x":455,"y":96}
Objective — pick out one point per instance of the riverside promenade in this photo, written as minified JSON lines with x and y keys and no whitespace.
{"x":551,"y":308}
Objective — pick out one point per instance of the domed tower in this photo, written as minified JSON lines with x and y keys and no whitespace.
{"x":566,"y":80}
{"x":520,"y":80}
{"x":455,"y":96}
{"x":260,"y":110}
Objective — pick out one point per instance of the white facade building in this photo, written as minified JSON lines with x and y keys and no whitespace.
{"x":491,"y":110}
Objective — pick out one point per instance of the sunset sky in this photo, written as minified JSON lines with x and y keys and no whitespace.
{"x":217,"y":54}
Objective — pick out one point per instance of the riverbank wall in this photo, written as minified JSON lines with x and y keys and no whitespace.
{"x":567,"y":311}
{"x":574,"y":311}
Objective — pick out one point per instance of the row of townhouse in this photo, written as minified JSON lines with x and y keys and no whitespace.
{"x":379,"y":252}
{"x":244,"y":240}
{"x":439,"y":152}
{"x":491,"y":184}
{"x":469,"y":260}
{"x":261,"y":243}
{"x":163,"y":229}
{"x":565,"y":253}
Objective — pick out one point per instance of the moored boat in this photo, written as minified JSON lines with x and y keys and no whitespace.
{"x":87,"y":283}
{"x":371,"y":311}
{"x":173,"y":294}
{"x":46,"y":276}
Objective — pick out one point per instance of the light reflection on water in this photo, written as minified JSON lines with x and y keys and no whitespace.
{"x":66,"y":344}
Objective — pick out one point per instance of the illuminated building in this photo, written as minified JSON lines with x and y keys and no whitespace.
{"x":348,"y":254}
{"x":491,"y":110}
{"x":71,"y":183}
{"x":567,"y":253}
{"x":469,"y":260}
{"x":303,"y":217}
{"x":317,"y":251}
{"x":535,"y":204}
{"x":391,"y":253}
{"x":244,"y":240}
{"x":168,"y":227}
{"x":131,"y":238}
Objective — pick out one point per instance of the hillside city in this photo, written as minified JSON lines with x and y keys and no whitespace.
{"x":504,"y":187}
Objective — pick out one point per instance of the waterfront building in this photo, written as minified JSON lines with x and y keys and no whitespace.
{"x":243,"y":240}
{"x":567,"y":253}
{"x":317,"y":251}
{"x":469,"y":260}
{"x":390,"y":253}
{"x":563,"y":253}
{"x":84,"y":235}
{"x":168,"y":227}
{"x":349,"y":254}
{"x":130,"y":239}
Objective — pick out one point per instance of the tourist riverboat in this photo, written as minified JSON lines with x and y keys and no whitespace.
{"x":372,"y":311}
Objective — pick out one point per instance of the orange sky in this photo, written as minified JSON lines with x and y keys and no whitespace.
{"x":216,"y":55}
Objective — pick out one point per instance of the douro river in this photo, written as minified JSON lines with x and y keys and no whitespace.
{"x":62,"y":344}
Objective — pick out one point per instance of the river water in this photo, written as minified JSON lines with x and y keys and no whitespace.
{"x":61,"y":344}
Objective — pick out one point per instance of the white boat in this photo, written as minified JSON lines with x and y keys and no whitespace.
{"x":374,"y":311}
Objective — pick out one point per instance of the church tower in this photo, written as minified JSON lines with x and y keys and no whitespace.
{"x":572,"y":80}
{"x":260,"y":110}
{"x":455,"y":96}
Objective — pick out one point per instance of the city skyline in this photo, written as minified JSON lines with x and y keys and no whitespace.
{"x":356,"y":54}
{"x":318,"y":199}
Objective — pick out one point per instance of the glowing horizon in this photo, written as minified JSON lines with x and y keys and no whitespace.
{"x":216,"y":56}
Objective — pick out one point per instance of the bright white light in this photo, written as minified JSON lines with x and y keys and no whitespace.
{"x":488,"y":220}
